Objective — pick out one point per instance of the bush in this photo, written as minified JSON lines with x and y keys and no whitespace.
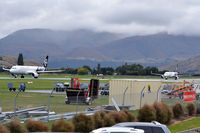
{"x":62,"y":126}
{"x":169,"y":112}
{"x":146,"y":114}
{"x":129,"y":116}
{"x":3,"y":129}
{"x":161,"y":114}
{"x":191,"y":109}
{"x":177,"y":110}
{"x":99,"y":119}
{"x":36,"y":126}
{"x":108,"y":122}
{"x":15,"y":127}
{"x":83,"y":123}
{"x":117,"y":117}
{"x":198,"y":110}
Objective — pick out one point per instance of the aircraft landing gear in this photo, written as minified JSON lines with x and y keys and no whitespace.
{"x":22,"y":76}
{"x":15,"y":76}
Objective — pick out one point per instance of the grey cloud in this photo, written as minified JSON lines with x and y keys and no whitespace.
{"x":121,"y":16}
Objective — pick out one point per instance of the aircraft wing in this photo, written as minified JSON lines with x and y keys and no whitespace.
{"x":50,"y":71}
{"x":156,"y":74}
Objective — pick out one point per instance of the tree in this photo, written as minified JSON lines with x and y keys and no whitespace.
{"x":20,"y":60}
{"x":88,"y":68}
{"x":99,"y":68}
{"x":82,"y":71}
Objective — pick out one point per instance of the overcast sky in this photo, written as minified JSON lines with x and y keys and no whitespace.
{"x":135,"y":17}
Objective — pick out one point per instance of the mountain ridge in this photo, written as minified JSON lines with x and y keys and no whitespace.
{"x":61,"y":46}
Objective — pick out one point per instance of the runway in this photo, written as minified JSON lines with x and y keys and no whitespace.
{"x":195,"y":80}
{"x":46,"y":78}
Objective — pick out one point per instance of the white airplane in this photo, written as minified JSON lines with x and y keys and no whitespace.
{"x":167,"y":75}
{"x":29,"y":70}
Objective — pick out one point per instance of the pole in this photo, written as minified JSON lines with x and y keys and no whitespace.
{"x":77,"y":101}
{"x":158,"y":93}
{"x":124,"y":95}
{"x":15,"y":103}
{"x":141,"y":97}
{"x":49,"y":103}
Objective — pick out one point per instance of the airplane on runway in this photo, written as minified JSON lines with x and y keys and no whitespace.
{"x":30,"y":70}
{"x":167,"y":75}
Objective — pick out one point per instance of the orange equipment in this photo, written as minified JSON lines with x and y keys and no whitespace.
{"x":179,"y":89}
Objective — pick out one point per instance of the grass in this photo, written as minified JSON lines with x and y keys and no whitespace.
{"x":185,"y":125}
{"x":28,"y":100}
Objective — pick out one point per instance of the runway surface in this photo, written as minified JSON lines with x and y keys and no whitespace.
{"x":162,"y":80}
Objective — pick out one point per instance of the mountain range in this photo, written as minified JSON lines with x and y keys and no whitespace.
{"x":9,"y":61}
{"x":83,"y":47}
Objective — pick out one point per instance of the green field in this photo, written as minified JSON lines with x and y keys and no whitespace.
{"x":185,"y":125}
{"x":28,"y":100}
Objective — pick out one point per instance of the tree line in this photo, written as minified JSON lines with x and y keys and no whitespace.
{"x":126,"y":69}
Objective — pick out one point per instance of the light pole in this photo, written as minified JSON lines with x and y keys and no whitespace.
{"x":49,"y":103}
{"x":77,"y":101}
{"x":15,"y":103}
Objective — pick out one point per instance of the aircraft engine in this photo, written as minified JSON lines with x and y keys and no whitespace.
{"x":35,"y":75}
{"x":40,"y":69}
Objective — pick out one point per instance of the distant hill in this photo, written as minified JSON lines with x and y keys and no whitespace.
{"x":86,"y":46}
{"x":155,"y":48}
{"x":36,"y":43}
{"x":9,"y":61}
{"x":191,"y":65}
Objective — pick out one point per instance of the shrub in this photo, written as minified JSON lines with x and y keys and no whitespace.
{"x":191,"y":108}
{"x":99,"y":119}
{"x":83,"y":123}
{"x":15,"y":127}
{"x":36,"y":126}
{"x":161,"y":114}
{"x":129,"y":116}
{"x":146,"y":114}
{"x":62,"y":126}
{"x":117,"y":117}
{"x":198,"y":110}
{"x":169,"y":112}
{"x":3,"y":129}
{"x":108,"y":122}
{"x":177,"y":110}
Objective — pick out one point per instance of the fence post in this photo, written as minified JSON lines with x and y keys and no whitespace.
{"x":141,"y":96}
{"x":158,"y":93}
{"x":124,"y":95}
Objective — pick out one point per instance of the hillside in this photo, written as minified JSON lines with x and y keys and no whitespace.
{"x":9,"y":61}
{"x":84,"y":45}
{"x":156,"y":48}
{"x":36,"y":43}
{"x":191,"y":65}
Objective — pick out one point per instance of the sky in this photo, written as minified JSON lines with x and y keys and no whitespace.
{"x":131,"y":17}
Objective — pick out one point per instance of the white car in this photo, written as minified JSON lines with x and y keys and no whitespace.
{"x":117,"y":130}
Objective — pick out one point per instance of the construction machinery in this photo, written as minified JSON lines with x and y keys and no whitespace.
{"x":178,"y":89}
{"x":76,"y":94}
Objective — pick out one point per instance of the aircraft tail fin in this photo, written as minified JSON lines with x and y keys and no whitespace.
{"x":45,"y":63}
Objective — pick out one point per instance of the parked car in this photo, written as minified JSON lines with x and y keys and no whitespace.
{"x":148,"y":127}
{"x":117,"y":130}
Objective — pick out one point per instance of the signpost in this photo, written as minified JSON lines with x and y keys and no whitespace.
{"x":189,"y":96}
